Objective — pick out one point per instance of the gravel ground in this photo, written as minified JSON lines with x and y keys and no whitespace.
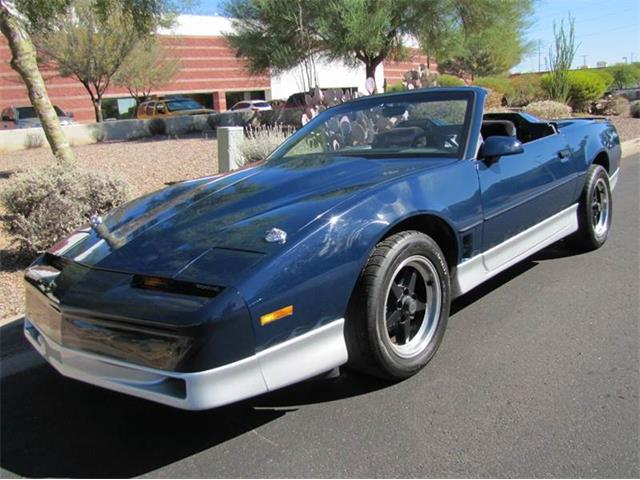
{"x":628,"y":127}
{"x":147,"y":165}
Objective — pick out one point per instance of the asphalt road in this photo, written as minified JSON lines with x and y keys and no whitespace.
{"x":537,"y":377}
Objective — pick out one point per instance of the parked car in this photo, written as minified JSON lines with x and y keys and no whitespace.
{"x":296,"y":100}
{"x":345,"y":246}
{"x":26,"y":117}
{"x":251,"y":106}
{"x":163,"y":107}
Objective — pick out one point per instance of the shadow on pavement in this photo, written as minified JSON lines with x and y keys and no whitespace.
{"x":56,"y":427}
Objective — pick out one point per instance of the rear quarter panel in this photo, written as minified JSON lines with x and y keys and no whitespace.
{"x":587,"y":139}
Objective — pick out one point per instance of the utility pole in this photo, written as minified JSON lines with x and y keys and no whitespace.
{"x":625,"y":60}
{"x":584,"y":60}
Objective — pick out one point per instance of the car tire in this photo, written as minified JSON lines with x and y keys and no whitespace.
{"x":594,"y":212}
{"x":399,"y":309}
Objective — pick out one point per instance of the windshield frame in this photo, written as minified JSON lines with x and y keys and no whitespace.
{"x":418,"y":96}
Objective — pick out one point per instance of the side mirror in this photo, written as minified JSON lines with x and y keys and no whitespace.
{"x":495,"y":147}
{"x":69,"y":114}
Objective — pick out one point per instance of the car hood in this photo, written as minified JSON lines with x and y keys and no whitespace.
{"x":223,"y":219}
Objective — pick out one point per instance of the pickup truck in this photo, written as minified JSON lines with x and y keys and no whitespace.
{"x":345,"y":247}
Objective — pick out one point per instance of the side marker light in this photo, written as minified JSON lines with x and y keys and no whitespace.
{"x":276,"y":315}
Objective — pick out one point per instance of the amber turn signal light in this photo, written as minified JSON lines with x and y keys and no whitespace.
{"x":276,"y":315}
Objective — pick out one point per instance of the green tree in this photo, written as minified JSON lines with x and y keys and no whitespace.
{"x":19,"y":20}
{"x":492,"y":45}
{"x":89,"y":46}
{"x":625,"y":75}
{"x":146,"y":68}
{"x":13,"y":25}
{"x":561,"y":57}
{"x":279,"y":34}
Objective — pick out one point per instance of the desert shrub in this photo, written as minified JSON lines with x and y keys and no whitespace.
{"x":624,"y":75}
{"x":157,"y":126}
{"x":605,"y":75}
{"x":548,"y":109}
{"x":45,"y":204}
{"x":493,"y":100}
{"x":496,"y":84}
{"x":634,"y":109}
{"x":445,"y":80}
{"x":395,"y":87}
{"x":612,"y":105}
{"x":584,"y":88}
{"x":525,"y":89}
{"x":259,"y":142}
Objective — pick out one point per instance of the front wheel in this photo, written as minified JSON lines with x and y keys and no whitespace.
{"x":594,"y":211}
{"x":398,"y":314}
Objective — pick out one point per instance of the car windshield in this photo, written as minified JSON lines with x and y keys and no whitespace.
{"x":183,"y":104}
{"x":260,"y":104}
{"x":420,"y":124}
{"x":30,"y":112}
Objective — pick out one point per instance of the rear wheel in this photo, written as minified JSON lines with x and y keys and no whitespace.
{"x":594,"y":211}
{"x":399,"y":311}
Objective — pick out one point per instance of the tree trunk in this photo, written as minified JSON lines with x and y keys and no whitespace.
{"x":370,"y":68}
{"x":24,"y":62}
{"x":97,"y":108}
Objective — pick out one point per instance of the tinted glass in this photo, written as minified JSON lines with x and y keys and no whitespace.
{"x":405,"y":124}
{"x":29,"y":112}
{"x":183,"y":104}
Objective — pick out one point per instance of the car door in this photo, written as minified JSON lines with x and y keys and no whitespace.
{"x":520,"y":191}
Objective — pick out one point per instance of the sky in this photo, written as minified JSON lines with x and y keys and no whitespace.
{"x":606,"y":30}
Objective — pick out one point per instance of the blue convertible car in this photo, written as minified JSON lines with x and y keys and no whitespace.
{"x":346,"y":246}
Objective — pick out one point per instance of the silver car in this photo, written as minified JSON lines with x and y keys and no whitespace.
{"x":26,"y":117}
{"x":251,"y":106}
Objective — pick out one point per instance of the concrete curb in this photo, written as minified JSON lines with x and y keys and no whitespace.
{"x":9,"y":320}
{"x":630,"y":147}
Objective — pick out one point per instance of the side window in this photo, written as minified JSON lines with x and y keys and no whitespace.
{"x":150,"y":107}
{"x":141,"y":109}
{"x":241,"y":105}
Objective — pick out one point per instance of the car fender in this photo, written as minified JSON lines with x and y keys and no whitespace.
{"x":317,"y":273}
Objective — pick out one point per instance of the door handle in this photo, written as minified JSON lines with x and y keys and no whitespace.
{"x":564,"y":153}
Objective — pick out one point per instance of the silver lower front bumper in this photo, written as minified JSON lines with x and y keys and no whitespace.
{"x":299,"y":358}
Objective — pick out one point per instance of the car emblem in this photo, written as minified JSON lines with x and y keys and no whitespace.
{"x":276,"y":235}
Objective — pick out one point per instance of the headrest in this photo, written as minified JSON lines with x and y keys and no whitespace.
{"x":493,"y":128}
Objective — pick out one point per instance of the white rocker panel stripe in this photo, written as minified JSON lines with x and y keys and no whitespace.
{"x":482,"y":267}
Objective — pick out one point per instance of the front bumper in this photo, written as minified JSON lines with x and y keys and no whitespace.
{"x":299,"y":358}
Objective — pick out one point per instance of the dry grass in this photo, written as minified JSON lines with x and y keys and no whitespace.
{"x":147,"y":165}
